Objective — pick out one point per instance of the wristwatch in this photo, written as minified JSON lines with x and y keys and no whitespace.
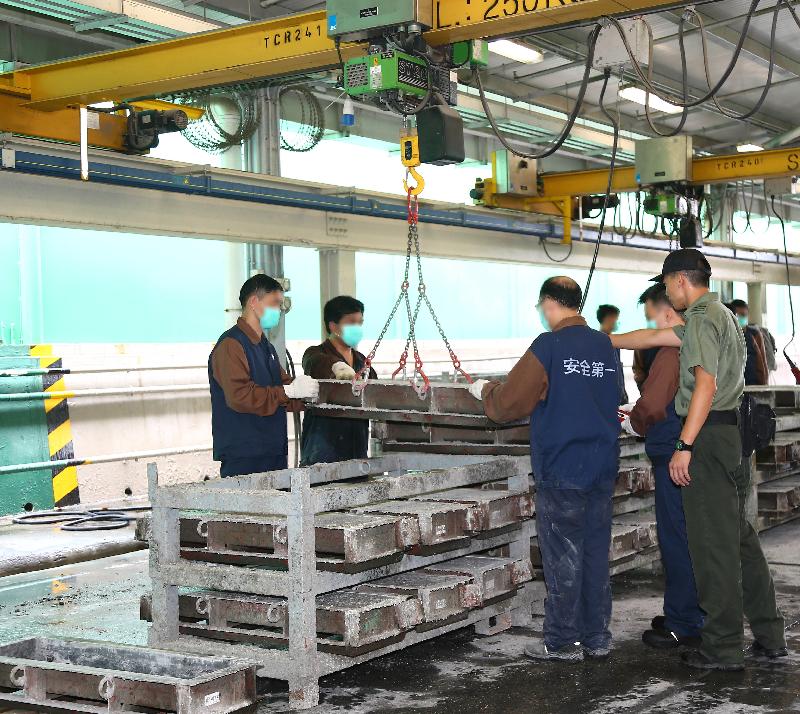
{"x":681,"y":445}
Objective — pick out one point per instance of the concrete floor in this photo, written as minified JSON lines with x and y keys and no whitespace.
{"x":457,"y":673}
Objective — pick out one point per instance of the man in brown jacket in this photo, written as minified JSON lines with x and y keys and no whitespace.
{"x":654,"y":418}
{"x":328,"y":439}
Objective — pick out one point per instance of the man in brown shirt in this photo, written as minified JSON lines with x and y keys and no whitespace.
{"x":250,"y":391}
{"x":654,"y":418}
{"x":329,"y":439}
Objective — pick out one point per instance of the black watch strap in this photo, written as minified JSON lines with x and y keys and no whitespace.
{"x":683,"y":446}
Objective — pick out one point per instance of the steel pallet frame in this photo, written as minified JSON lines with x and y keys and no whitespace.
{"x":299,"y":494}
{"x":78,"y":676}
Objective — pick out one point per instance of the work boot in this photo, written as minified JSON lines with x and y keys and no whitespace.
{"x":659,"y":622}
{"x":758,"y":650}
{"x":698,"y":660}
{"x":668,"y":640}
{"x":567,"y":653}
{"x":597,"y":652}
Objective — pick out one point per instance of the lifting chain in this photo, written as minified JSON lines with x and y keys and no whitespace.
{"x":419,"y":380}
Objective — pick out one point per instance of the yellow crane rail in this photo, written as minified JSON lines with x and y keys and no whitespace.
{"x":260,"y":50}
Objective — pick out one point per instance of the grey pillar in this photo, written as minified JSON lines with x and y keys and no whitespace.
{"x":227,"y":114}
{"x":722,"y":232}
{"x":262,"y":155}
{"x":757,"y":301}
{"x":337,"y":276}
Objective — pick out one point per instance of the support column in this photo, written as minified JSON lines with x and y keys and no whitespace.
{"x":757,"y":302}
{"x":722,"y":233}
{"x":337,"y":275}
{"x":262,"y":154}
{"x":228,"y":116}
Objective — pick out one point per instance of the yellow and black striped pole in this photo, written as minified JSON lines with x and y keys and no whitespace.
{"x":59,"y":430}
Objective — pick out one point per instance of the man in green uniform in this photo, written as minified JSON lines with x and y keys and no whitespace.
{"x":732,"y":575}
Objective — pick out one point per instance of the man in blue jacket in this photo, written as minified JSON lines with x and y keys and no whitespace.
{"x":654,"y":417}
{"x":250,"y":391}
{"x":567,"y":383}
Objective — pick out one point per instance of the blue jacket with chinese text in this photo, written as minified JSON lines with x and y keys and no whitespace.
{"x":575,"y":428}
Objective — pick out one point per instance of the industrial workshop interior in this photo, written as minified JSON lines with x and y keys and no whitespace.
{"x":379,"y":356}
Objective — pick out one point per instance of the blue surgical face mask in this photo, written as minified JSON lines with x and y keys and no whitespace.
{"x":652,"y":325}
{"x":543,"y":320}
{"x":270,"y":318}
{"x":742,"y":320}
{"x":616,"y":327}
{"x":352,"y":334}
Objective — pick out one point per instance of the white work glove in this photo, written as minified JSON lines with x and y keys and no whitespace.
{"x":342,"y":370}
{"x":626,"y":426}
{"x":303,"y":387}
{"x":627,"y":408}
{"x":476,"y":388}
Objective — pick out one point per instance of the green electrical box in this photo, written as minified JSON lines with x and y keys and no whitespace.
{"x":669,"y":205}
{"x":474,"y":53}
{"x":386,"y":71}
{"x":353,"y":20}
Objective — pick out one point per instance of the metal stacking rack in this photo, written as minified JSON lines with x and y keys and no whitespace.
{"x":449,"y":420}
{"x":776,"y":468}
{"x":53,"y":675}
{"x":298,"y":495}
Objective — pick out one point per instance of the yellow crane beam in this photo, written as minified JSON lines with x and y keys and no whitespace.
{"x":776,"y":163}
{"x":259,"y":50}
{"x":560,"y":191}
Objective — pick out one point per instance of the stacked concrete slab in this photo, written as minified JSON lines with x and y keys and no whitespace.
{"x":309,"y":571}
{"x":777,"y":467}
{"x":447,"y":420}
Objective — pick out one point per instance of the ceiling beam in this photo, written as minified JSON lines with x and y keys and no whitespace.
{"x":59,"y":29}
{"x":729,"y":37}
{"x":762,"y":120}
{"x":100,"y":22}
{"x":154,"y":14}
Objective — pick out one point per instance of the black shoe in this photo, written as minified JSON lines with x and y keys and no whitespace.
{"x":667,"y":640}
{"x":758,"y":650}
{"x":698,"y":660}
{"x":568,"y":653}
{"x":659,"y":622}
{"x":597,"y":652}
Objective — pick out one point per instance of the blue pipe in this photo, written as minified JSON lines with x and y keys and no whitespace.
{"x":207,"y":185}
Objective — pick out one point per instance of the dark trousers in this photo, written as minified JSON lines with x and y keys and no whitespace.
{"x":574,"y":534}
{"x":731,"y":572}
{"x":253,"y":465}
{"x":681,"y":609}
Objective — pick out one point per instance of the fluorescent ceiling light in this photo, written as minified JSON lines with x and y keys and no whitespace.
{"x":515,"y":51}
{"x":745,"y":148}
{"x":153,"y":14}
{"x":639,"y":96}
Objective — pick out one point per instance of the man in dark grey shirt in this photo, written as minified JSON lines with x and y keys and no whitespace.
{"x":731,"y":572}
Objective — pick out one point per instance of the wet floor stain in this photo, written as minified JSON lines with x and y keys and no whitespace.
{"x":458,"y":673}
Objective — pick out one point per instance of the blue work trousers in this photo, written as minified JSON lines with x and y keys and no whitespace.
{"x":253,"y":465}
{"x":574,"y":534}
{"x":682,"y":612}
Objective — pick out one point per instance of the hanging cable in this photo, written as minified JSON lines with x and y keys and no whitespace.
{"x":683,"y":101}
{"x":788,"y":276}
{"x":565,"y":132}
{"x":543,"y":242}
{"x":615,"y":122}
{"x":770,"y":72}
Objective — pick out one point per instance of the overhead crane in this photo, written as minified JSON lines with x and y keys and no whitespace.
{"x":44,"y":101}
